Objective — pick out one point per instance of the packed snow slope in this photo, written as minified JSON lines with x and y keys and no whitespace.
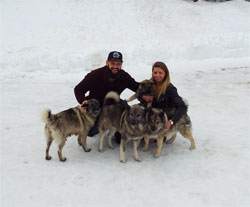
{"x":72,"y":36}
{"x":48,"y":46}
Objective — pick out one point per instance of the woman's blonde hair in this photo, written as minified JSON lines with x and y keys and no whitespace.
{"x":166,"y":80}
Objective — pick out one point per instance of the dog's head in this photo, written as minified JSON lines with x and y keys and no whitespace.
{"x":136,"y":115}
{"x":93,"y":107}
{"x":157,"y":119}
{"x":145,"y":88}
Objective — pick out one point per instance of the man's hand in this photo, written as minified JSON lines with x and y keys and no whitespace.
{"x":169,"y":124}
{"x":148,"y":98}
{"x":84,"y":104}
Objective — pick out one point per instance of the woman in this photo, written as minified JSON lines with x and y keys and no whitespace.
{"x":166,"y":95}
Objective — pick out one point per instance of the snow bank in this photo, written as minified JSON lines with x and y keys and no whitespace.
{"x":76,"y":36}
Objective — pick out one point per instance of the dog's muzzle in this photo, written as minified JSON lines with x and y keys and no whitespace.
{"x":133,"y":122}
{"x":97,"y":110}
{"x":153,"y":128}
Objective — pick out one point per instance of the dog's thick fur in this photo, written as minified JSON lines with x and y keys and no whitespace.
{"x":157,"y":120}
{"x":145,"y":88}
{"x":156,"y":128}
{"x":109,"y":120}
{"x":183,"y":126}
{"x":133,"y":126}
{"x":74,"y":121}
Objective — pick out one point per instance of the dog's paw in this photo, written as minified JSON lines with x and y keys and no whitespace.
{"x":63,"y":159}
{"x":87,"y":149}
{"x":111,"y":147}
{"x":169,"y":141}
{"x":48,"y":157}
{"x":138,"y":159}
{"x":145,"y":149}
{"x":156,"y":155}
{"x":123,"y":160}
{"x":100,"y":149}
{"x":192,"y":147}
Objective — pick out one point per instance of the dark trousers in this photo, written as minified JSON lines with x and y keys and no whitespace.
{"x":94,"y":130}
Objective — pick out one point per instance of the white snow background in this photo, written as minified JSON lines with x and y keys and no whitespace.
{"x":48,"y":46}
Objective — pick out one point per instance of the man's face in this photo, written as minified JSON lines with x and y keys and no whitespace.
{"x":114,"y":65}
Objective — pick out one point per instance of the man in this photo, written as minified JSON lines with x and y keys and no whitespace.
{"x":100,"y":81}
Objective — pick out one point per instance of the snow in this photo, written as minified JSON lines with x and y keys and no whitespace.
{"x":48,"y":46}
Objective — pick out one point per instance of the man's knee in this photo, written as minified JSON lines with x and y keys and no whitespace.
{"x":94,"y":130}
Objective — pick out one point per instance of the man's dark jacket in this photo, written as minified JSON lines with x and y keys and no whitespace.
{"x":98,"y":83}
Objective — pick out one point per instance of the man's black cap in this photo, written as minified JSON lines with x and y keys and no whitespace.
{"x":115,"y":56}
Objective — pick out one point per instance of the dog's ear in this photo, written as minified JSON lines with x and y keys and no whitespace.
{"x":162,"y":115}
{"x":126,"y":107}
{"x":148,"y":111}
{"x":127,"y":114}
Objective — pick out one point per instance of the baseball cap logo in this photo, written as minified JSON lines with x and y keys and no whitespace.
{"x":116,"y":55}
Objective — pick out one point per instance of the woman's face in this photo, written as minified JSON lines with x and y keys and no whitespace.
{"x":158,"y":75}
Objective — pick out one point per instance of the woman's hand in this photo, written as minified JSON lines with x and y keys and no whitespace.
{"x":169,"y":124}
{"x":148,"y":98}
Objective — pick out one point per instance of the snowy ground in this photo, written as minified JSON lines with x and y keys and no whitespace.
{"x":48,"y":46}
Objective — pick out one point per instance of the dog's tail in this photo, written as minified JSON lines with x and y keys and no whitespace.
{"x":111,"y":98}
{"x":185,"y":102}
{"x":46,"y":116}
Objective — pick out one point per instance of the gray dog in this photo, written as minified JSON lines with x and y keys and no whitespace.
{"x":109,"y":120}
{"x":133,"y":126}
{"x":183,"y":126}
{"x":74,"y":121}
{"x":130,"y":121}
{"x":145,"y":88}
{"x":157,"y":120}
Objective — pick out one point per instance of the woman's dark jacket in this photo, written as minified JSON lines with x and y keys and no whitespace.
{"x":98,"y":83}
{"x":171,"y":99}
